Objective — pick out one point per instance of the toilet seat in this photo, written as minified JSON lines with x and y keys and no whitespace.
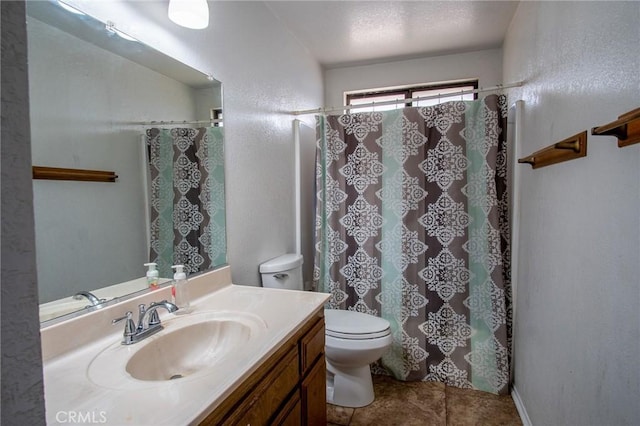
{"x":353,"y":325}
{"x":358,"y":336}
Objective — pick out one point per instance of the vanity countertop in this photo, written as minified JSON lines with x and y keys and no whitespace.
{"x":72,"y":391}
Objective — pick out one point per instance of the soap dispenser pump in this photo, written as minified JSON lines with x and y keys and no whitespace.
{"x":179,"y":290}
{"x":152,"y":275}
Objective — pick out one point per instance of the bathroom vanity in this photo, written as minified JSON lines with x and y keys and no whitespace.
{"x":244,"y":355}
{"x":287,"y":389}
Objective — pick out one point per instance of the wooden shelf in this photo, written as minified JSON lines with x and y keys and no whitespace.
{"x":626,"y":128}
{"x":568,"y":149}
{"x":57,"y":173}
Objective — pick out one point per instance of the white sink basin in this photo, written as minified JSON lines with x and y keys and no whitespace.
{"x":187,"y":350}
{"x":188,"y":347}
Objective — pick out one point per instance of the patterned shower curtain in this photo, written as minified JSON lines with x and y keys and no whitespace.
{"x":412,"y":225}
{"x":187,"y":198}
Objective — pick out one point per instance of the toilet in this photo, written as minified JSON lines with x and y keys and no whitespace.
{"x":353,"y":340}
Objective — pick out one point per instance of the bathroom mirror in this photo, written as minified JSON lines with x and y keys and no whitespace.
{"x":93,"y":95}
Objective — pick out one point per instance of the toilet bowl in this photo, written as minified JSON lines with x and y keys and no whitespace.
{"x":353,"y":340}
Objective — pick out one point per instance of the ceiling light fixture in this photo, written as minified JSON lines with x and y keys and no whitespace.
{"x":192,"y":14}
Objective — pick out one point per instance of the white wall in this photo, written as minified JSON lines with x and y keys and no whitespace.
{"x":484,"y":65}
{"x":578,"y":319}
{"x":91,"y":234}
{"x":265,"y":73}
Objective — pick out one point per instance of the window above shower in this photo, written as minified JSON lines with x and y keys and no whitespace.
{"x":442,"y":92}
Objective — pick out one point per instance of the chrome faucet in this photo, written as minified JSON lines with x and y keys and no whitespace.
{"x":134,"y":334}
{"x":95,"y":302}
{"x":154,"y":319}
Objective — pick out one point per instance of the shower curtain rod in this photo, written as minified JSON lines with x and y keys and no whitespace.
{"x":403,"y":101}
{"x":153,"y":123}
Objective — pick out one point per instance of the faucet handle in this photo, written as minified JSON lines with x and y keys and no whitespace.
{"x":141,"y":311}
{"x":129,"y":326}
{"x":154,"y":318}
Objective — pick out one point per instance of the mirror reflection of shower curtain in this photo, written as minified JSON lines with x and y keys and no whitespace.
{"x":186,"y":198}
{"x":412,"y":225}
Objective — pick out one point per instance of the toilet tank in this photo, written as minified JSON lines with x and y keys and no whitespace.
{"x":283,"y":272}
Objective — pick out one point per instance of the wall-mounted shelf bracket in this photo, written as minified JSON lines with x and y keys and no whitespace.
{"x":626,"y":128}
{"x":57,"y":173}
{"x":568,"y":149}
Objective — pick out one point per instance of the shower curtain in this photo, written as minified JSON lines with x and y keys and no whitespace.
{"x":412,"y":225}
{"x":187,"y":198}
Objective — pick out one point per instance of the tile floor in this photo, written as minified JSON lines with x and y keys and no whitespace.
{"x":426,"y":404}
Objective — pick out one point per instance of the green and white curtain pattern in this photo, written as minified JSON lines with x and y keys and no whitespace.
{"x":412,"y":225}
{"x":187,"y":198}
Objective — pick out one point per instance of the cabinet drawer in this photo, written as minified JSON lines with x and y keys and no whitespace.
{"x":270,"y":393}
{"x":311,"y":346}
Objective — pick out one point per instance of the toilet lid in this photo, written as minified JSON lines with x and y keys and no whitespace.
{"x":354,"y":325}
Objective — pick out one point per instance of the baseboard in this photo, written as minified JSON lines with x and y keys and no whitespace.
{"x":524,"y":417}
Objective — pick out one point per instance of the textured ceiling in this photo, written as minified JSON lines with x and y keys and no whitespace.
{"x":339,"y":33}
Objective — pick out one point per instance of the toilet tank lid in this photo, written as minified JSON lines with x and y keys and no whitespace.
{"x":281,"y":263}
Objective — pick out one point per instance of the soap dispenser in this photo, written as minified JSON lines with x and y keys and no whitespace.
{"x":152,"y":275}
{"x":179,"y":290}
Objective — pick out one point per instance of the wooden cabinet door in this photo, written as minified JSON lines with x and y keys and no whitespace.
{"x":291,"y":413}
{"x":270,"y":393}
{"x":314,"y":398}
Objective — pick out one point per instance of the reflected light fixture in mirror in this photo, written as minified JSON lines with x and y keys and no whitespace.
{"x":192,"y":14}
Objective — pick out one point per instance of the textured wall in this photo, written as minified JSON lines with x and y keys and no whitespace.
{"x":22,"y":392}
{"x":578,"y":322}
{"x":485,"y":65}
{"x":265,"y":73}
